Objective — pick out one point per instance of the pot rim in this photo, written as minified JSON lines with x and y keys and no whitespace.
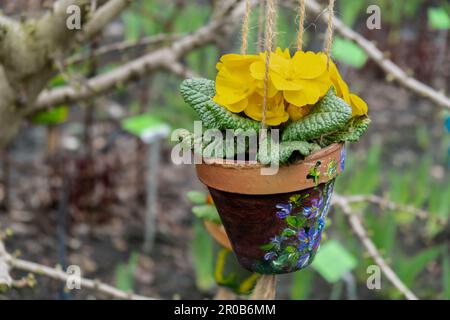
{"x":256,"y":165}
{"x":245,"y":177}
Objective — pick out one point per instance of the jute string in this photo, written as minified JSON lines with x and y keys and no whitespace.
{"x":301,"y":25}
{"x":260,"y":40}
{"x":245,"y":27}
{"x":329,"y":40}
{"x":271,"y":14}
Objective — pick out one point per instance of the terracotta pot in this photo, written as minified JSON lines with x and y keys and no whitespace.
{"x":274,"y":222}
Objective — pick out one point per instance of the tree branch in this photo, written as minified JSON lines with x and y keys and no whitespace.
{"x":5,"y":278}
{"x":358,"y":228}
{"x":137,"y":68}
{"x":387,"y":204}
{"x":123,"y":46}
{"x":376,"y":55}
{"x":7,"y":263}
{"x":102,"y":17}
{"x":180,"y":70}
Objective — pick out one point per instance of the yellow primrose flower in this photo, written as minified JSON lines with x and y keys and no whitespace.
{"x":275,"y":112}
{"x":296,"y":113}
{"x":295,"y":84}
{"x":302,"y":78}
{"x":359,"y":106}
{"x":234,"y":83}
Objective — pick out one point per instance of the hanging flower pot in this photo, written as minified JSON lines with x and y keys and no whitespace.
{"x":301,"y":112}
{"x":274,"y":222}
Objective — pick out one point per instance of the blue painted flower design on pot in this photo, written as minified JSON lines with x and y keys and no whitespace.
{"x":284,"y":210}
{"x":342,"y":160}
{"x":304,"y":216}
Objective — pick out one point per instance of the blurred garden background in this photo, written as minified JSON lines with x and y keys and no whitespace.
{"x":74,"y":180}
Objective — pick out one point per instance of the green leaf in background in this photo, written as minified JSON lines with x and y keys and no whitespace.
{"x":408,"y":268}
{"x":333,"y":261}
{"x":348,"y":52}
{"x":206,"y":212}
{"x":302,"y":284}
{"x":139,"y":124}
{"x":197,"y":197}
{"x":57,"y":81}
{"x":132,"y":25}
{"x":125,"y":273}
{"x":201,"y":248}
{"x":410,"y":7}
{"x":350,"y":10}
{"x":438,"y":19}
{"x":50,"y":117}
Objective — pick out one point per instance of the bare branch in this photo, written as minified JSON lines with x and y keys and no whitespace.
{"x":139,"y":67}
{"x":180,"y":70}
{"x":391,"y":69}
{"x":124,"y":46}
{"x":85,"y":283}
{"x":5,"y":278}
{"x":358,"y":228}
{"x":51,"y":31}
{"x":7,"y":263}
{"x":102,"y":17}
{"x":387,"y":204}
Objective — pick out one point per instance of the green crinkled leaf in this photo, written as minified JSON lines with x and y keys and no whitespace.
{"x":330,"y":114}
{"x":354,"y":129}
{"x":229,"y":120}
{"x":287,"y":148}
{"x":285,"y":151}
{"x":198,"y":93}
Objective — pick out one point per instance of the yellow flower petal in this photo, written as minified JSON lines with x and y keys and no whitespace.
{"x":235,"y":106}
{"x":271,"y":90}
{"x":308,"y":65}
{"x":359,"y":106}
{"x":339,"y":84}
{"x":275,"y":113}
{"x":257,"y":70}
{"x":285,"y":54}
{"x":296,"y":113}
{"x":277,"y":120}
{"x":227,"y":99}
{"x":281,"y":83}
{"x":297,"y":98}
{"x":310,"y":94}
{"x":280,"y":64}
{"x":233,"y":60}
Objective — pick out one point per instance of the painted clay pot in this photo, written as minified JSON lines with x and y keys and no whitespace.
{"x":274,"y":222}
